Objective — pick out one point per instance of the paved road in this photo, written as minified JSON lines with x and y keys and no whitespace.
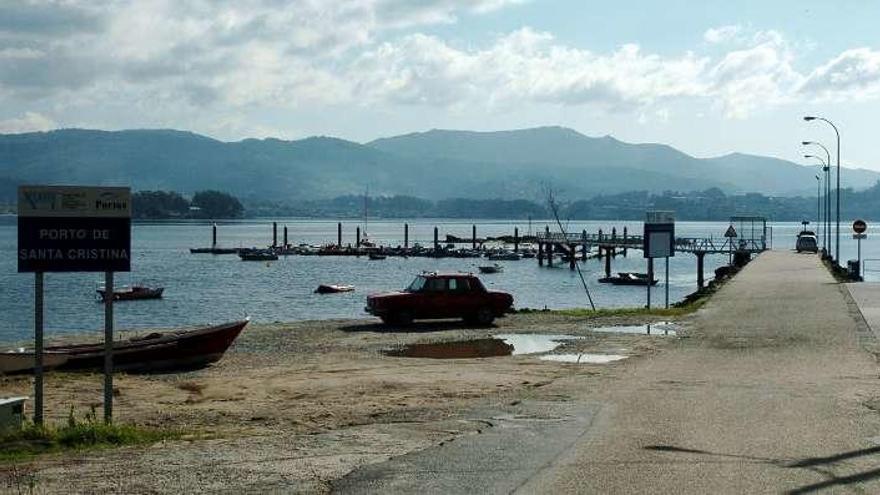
{"x":772,"y":392}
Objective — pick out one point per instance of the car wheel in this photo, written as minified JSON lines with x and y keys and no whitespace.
{"x":403,"y":318}
{"x":485,"y":316}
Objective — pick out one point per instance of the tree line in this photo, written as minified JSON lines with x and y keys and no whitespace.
{"x":170,"y":204}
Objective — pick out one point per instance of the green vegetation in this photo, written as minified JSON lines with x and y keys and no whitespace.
{"x":33,"y":440}
{"x":169,"y":204}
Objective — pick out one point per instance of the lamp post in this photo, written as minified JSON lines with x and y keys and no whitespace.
{"x":809,"y":118}
{"x":818,"y":201}
{"x":827,"y":234}
{"x":827,"y":171}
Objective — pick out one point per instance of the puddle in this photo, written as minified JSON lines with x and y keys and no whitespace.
{"x":479,"y":348}
{"x":662,"y":328}
{"x":583,"y":358}
{"x":533,"y":343}
{"x":499,"y":345}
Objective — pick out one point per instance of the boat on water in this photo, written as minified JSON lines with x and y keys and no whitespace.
{"x":257,"y":255}
{"x":132,"y":293}
{"x":377,"y":256}
{"x":23,"y":360}
{"x":157,"y":351}
{"x":214,"y":250}
{"x":628,"y":278}
{"x":508,"y":256}
{"x":496,"y":268}
{"x":333,"y":288}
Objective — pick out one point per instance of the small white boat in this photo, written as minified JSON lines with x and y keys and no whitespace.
{"x":496,"y":268}
{"x":22,"y":360}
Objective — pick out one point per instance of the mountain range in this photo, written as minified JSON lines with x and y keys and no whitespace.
{"x":434,"y":164}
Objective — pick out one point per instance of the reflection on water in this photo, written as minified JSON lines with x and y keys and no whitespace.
{"x":533,"y":343}
{"x":662,"y":328}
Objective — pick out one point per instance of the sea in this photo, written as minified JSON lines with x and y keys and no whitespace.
{"x":203,"y":288}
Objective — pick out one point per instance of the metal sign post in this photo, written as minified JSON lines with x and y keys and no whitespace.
{"x":859,"y":227}
{"x":73,"y":229}
{"x":659,"y":242}
{"x":730,"y":234}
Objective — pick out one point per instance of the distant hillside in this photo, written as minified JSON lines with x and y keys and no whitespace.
{"x":431,"y":165}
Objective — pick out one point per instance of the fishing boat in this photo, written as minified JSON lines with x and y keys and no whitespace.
{"x":131,"y":293}
{"x":333,"y":288}
{"x":628,"y":278}
{"x":22,"y":360}
{"x":157,"y":351}
{"x":377,"y":256}
{"x":257,"y":255}
{"x":495,"y":268}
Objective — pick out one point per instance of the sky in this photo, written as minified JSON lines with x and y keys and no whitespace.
{"x":709,"y":77}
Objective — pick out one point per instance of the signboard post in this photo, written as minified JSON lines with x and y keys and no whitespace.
{"x":730,"y":234}
{"x":859,"y":228}
{"x":658,"y":242}
{"x":73,"y":229}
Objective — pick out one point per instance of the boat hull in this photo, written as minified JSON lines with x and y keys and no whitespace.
{"x":157,"y":352}
{"x":23,"y":362}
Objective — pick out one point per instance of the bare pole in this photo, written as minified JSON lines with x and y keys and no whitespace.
{"x":38,"y":348}
{"x":555,"y":209}
{"x":108,"y":347}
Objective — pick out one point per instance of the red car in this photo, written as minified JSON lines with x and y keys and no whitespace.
{"x":434,"y":295}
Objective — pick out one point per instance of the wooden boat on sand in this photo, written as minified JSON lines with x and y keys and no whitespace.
{"x":22,"y":360}
{"x":154,"y":352}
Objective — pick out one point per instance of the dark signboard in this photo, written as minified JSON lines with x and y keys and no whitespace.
{"x":74,"y":229}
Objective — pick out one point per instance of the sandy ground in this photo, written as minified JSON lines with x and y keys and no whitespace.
{"x":292,"y":407}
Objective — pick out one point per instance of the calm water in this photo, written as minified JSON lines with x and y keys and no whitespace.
{"x":204,"y":288}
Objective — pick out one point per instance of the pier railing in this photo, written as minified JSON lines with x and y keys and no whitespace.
{"x":682,"y":244}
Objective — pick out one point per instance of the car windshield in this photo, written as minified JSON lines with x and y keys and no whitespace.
{"x":417,"y":285}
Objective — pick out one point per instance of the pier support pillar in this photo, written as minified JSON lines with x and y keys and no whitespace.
{"x":474,"y":237}
{"x":274,"y":234}
{"x":436,"y":242}
{"x":608,"y":254}
{"x":516,"y":239}
{"x":550,"y":254}
{"x":285,"y":237}
{"x":357,"y":238}
{"x":624,"y":241}
{"x":572,"y":250}
{"x":700,"y":276}
{"x":339,"y":234}
{"x":406,"y":236}
{"x":540,"y":253}
{"x":214,"y":236}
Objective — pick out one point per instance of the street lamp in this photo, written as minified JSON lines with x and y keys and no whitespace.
{"x":837,"y":229}
{"x":819,"y":202}
{"x":827,"y":171}
{"x":827,"y":235}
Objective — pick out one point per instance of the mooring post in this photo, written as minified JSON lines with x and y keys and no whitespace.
{"x":474,"y":237}
{"x":285,"y":237}
{"x":550,"y":254}
{"x":584,"y":248}
{"x":700,"y":276}
{"x":516,"y":239}
{"x":540,"y":253}
{"x":357,"y":237}
{"x":339,"y":234}
{"x":436,"y":242}
{"x":600,"y":235}
{"x":613,"y":233}
{"x":214,"y":235}
{"x":608,"y":252}
{"x":624,"y":242}
{"x":572,"y":250}
{"x":274,"y":234}
{"x":406,"y":236}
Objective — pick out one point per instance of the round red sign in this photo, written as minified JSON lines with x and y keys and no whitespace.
{"x":859,"y":226}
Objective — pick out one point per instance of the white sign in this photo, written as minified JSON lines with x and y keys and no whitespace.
{"x":74,"y":201}
{"x":659,"y":245}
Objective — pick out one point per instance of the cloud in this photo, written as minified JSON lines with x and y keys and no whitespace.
{"x":721,"y":34}
{"x":854,"y":74}
{"x":29,"y":122}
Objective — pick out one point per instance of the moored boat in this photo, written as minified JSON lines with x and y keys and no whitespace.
{"x":628,"y":278}
{"x":132,"y":293}
{"x":507,"y":256}
{"x":377,"y":256}
{"x":496,"y":268}
{"x":333,"y":288}
{"x":257,"y":255}
{"x":157,"y":351}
